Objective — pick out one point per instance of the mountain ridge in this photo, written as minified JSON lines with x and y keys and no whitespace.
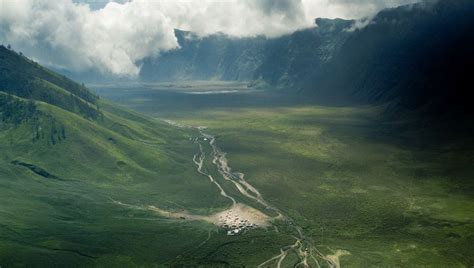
{"x":410,"y":56}
{"x":27,"y":79}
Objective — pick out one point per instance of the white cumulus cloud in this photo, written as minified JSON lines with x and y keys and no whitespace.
{"x":112,"y":36}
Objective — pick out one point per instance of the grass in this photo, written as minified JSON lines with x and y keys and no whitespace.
{"x":353,"y":179}
{"x":350,"y":178}
{"x":69,"y":219}
{"x":68,"y":158}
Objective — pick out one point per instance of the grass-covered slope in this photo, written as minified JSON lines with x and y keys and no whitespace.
{"x":61,"y":169}
{"x":53,"y":120}
{"x":25,"y":78}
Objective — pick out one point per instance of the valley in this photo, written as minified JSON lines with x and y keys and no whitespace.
{"x":240,"y":134}
{"x":347,"y":177}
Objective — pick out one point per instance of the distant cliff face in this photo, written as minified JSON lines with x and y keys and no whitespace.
{"x":222,"y":57}
{"x":414,"y":55}
{"x":292,"y":59}
{"x":216,"y":56}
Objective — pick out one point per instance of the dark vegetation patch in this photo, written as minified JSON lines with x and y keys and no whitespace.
{"x":37,"y":170}
{"x":16,"y":111}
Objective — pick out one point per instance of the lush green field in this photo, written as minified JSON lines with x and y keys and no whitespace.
{"x":380,"y":189}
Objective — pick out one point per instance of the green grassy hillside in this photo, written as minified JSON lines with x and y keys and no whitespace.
{"x":25,"y":78}
{"x":67,"y":155}
{"x":59,"y":173}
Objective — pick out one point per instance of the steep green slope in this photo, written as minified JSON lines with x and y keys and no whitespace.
{"x":62,"y":172}
{"x":27,"y":79}
{"x":47,"y":114}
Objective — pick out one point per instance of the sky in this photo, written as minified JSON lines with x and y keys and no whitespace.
{"x":112,"y":36}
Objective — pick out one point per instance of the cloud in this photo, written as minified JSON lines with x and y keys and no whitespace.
{"x":289,"y":10}
{"x":350,"y":9}
{"x":98,"y":4}
{"x":112,"y":36}
{"x":68,"y":35}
